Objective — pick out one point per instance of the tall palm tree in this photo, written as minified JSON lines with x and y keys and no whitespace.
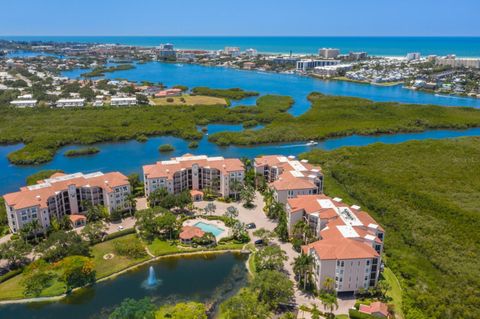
{"x":268,"y":199}
{"x":329,"y":302}
{"x":132,"y":203}
{"x":35,"y":228}
{"x":303,"y":268}
{"x":315,"y":312}
{"x":235,"y":187}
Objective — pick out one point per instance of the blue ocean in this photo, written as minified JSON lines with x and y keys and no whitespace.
{"x":385,"y":46}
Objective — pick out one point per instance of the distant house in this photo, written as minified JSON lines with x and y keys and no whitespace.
{"x":24,"y":103}
{"x":248,"y":65}
{"x":377,"y":309}
{"x":169,"y":92}
{"x":123,"y":101}
{"x":70,"y":103}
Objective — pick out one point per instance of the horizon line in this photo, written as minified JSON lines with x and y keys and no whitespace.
{"x":245,"y":36}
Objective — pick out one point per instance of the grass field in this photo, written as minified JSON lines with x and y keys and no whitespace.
{"x":117,"y":263}
{"x":191,"y":100}
{"x":426,"y":194}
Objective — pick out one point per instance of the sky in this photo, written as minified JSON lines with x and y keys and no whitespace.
{"x":237,"y":18}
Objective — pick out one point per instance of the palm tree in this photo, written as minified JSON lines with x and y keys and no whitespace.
{"x":132,"y":203}
{"x":268,"y":199}
{"x":248,"y":195}
{"x":35,"y":228}
{"x":329,"y":302}
{"x":235,"y":187}
{"x":315,"y":312}
{"x":303,"y":268}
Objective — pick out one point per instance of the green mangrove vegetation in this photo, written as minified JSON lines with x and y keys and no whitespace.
{"x":232,"y":94}
{"x":100,"y":71}
{"x":329,"y":116}
{"x":334,"y":116}
{"x":92,"y":125}
{"x":426,"y":194}
{"x":166,"y":148}
{"x":82,"y":152}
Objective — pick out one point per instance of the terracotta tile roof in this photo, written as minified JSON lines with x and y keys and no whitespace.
{"x":75,"y":218}
{"x":38,"y":194}
{"x":341,"y":248}
{"x":349,"y":233}
{"x":375,"y":307}
{"x":166,"y":169}
{"x":190,"y":232}
{"x":293,"y":174}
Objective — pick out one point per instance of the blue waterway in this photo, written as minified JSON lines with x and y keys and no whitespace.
{"x":30,"y":54}
{"x":295,"y":86}
{"x":128,"y":157}
{"x":388,"y":46}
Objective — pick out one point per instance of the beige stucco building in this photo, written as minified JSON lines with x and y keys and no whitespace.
{"x":350,"y":241}
{"x":63,"y":194}
{"x":190,"y":172}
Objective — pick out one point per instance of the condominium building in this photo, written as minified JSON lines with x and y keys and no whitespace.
{"x":123,"y":101}
{"x":232,"y":51}
{"x":70,"y":103}
{"x":454,"y":62}
{"x":350,"y":241}
{"x":63,"y":194}
{"x":305,"y":65}
{"x":289,"y":177}
{"x":195,"y":173}
{"x":328,"y":53}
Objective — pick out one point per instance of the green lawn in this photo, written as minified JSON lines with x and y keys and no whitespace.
{"x":342,"y":317}
{"x":12,"y":289}
{"x":160,"y":247}
{"x":395,"y":292}
{"x":107,"y":267}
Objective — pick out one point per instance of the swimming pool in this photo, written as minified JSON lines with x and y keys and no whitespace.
{"x":208,"y":228}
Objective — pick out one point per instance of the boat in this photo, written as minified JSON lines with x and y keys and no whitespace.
{"x":312,"y":143}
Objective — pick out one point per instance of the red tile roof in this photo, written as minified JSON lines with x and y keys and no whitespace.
{"x":38,"y":194}
{"x":190,"y":232}
{"x":166,"y":169}
{"x":376,"y":307}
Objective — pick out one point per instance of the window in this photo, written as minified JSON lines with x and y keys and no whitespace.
{"x":368,"y":262}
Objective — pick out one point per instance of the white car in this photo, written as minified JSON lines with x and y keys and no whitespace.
{"x":120,"y":227}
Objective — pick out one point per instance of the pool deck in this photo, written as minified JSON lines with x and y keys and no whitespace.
{"x":216,"y":223}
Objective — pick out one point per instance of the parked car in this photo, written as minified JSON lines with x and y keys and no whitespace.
{"x":251,"y":226}
{"x":259,"y":242}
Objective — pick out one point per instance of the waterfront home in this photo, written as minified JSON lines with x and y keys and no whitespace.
{"x":24,"y":103}
{"x":289,"y":177}
{"x":308,"y":64}
{"x":123,"y":101}
{"x":351,"y":241}
{"x":188,"y":172}
{"x":70,"y":103}
{"x":63,"y":194}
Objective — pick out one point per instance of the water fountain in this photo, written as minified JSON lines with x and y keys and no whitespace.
{"x":152,"y":281}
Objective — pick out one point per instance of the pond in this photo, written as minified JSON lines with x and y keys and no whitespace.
{"x":204,"y":278}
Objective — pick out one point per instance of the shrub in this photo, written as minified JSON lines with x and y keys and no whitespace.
{"x":142,"y":138}
{"x":128,"y":247}
{"x":170,"y":99}
{"x":10,"y":274}
{"x":120,"y":233}
{"x":166,"y":148}
{"x":193,"y":144}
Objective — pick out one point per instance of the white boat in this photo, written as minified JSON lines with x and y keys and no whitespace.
{"x":312,"y":143}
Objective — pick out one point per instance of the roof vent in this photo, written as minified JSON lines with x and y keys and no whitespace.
{"x":38,"y":197}
{"x":337,"y":199}
{"x":304,"y":161}
{"x":291,"y":157}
